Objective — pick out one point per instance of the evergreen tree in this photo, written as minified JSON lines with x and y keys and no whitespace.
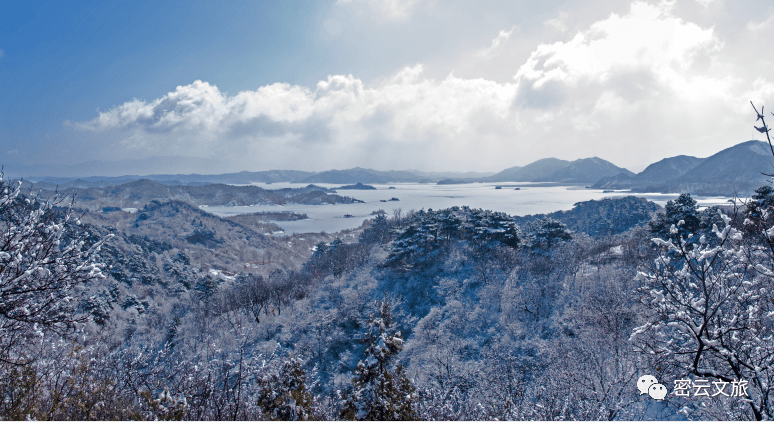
{"x":427,"y":232}
{"x":759,"y":216}
{"x":689,"y":223}
{"x":547,"y":233}
{"x":285,"y":396}
{"x":380,"y":390}
{"x":683,"y":213}
{"x":378,"y":232}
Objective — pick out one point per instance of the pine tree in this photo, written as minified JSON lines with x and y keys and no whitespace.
{"x":683,"y":213}
{"x":378,"y":232}
{"x":380,"y":391}
{"x":285,"y":396}
{"x":758,"y":217}
{"x":547,"y":233}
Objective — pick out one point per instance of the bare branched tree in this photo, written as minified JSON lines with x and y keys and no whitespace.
{"x":712,"y":306}
{"x":43,"y":263}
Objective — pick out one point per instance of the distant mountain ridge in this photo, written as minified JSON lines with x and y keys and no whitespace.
{"x":586,"y":170}
{"x":736,"y":170}
{"x":367,"y":176}
{"x":658,"y":172}
{"x":452,"y":174}
{"x":241,"y":178}
{"x":139,"y":193}
{"x":668,"y":168}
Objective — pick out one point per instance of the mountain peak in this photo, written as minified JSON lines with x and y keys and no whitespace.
{"x":583,"y":170}
{"x":758,"y":147}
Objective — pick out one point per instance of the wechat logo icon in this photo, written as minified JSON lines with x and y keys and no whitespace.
{"x":648,"y":384}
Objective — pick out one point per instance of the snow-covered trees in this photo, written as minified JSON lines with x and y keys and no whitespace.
{"x":380,"y":389}
{"x":284,"y":395}
{"x":378,"y":232}
{"x":758,"y":215}
{"x":42,"y":267}
{"x":712,"y":310}
{"x":684,"y":214}
{"x":547,"y":233}
{"x":335,"y":258}
{"x":593,"y":348}
{"x":427,"y":231}
{"x":711,"y":298}
{"x":45,"y":261}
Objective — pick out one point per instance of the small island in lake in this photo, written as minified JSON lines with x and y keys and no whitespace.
{"x":358,"y":186}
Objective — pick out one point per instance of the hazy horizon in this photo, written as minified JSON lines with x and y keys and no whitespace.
{"x":134,"y":167}
{"x":404,"y":84}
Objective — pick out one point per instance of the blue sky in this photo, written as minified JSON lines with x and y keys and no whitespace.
{"x":64,"y":60}
{"x":168,"y":87}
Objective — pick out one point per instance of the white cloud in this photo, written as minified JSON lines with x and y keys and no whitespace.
{"x":342,"y":116}
{"x":202,"y":107}
{"x":752,"y":26}
{"x":647,"y":37}
{"x":2,"y":53}
{"x":497,"y":45}
{"x":557,"y":23}
{"x":641,"y":84}
{"x":631,"y":88}
{"x":761,"y":92}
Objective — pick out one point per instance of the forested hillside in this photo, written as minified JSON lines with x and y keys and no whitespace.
{"x":602,"y":218}
{"x":436,"y":314}
{"x":139,"y":193}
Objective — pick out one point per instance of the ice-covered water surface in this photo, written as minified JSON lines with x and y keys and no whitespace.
{"x":528,"y":199}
